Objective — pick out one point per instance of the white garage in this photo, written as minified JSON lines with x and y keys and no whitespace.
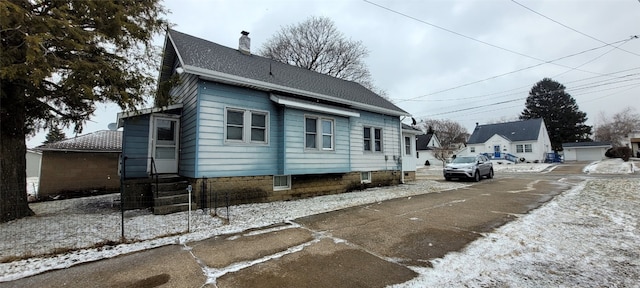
{"x":585,"y":151}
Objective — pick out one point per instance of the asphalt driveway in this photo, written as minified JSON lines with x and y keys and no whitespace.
{"x":366,"y":246}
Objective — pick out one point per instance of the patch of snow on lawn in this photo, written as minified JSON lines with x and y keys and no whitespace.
{"x":587,"y":237}
{"x":32,"y":187}
{"x":584,"y":238}
{"x":521,"y":167}
{"x":80,"y":223}
{"x":612,"y":166}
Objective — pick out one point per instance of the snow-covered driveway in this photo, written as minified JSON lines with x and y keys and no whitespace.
{"x":586,"y":237}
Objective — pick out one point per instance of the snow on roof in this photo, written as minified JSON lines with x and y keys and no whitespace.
{"x":99,"y":141}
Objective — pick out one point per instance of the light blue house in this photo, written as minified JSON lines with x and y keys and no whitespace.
{"x":261,"y":130}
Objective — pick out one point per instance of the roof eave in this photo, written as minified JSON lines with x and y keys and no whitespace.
{"x":232,"y":79}
{"x":80,"y":150}
{"x":127,"y":114}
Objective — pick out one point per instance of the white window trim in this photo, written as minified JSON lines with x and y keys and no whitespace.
{"x":319,"y":133}
{"x":472,"y":149}
{"x":407,"y":140}
{"x":524,"y":148}
{"x":282,"y":188}
{"x":246,"y":126}
{"x":363,"y":180}
{"x":372,"y":139}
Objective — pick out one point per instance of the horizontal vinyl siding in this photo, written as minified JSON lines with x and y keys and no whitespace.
{"x":373,"y":161}
{"x":136,"y":146}
{"x":186,"y":93}
{"x":218,"y":158}
{"x":299,"y":160}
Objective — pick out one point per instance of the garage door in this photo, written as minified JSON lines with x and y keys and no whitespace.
{"x":589,"y":154}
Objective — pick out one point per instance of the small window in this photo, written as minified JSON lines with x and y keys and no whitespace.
{"x":378,"y":139}
{"x":327,"y":134}
{"x":258,"y":127}
{"x":310,"y":133}
{"x":246,"y":126}
{"x":235,"y":124}
{"x":472,"y":149}
{"x":281,"y":182}
{"x":520,"y":148}
{"x":407,"y":145}
{"x":319,"y":132}
{"x":367,"y":139}
{"x":372,"y":139}
{"x":365,"y":177}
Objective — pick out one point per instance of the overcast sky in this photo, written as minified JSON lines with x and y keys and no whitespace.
{"x":468,"y":61}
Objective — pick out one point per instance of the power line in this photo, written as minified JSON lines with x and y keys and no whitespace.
{"x":614,"y":93}
{"x":512,"y":72}
{"x":565,"y":26}
{"x":585,"y":86}
{"x":468,"y":37}
{"x":519,"y":89}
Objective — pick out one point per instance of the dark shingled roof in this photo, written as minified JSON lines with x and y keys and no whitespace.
{"x":585,"y":144}
{"x":99,"y":141}
{"x":211,"y":60}
{"x":525,"y":130}
{"x":422,"y":141}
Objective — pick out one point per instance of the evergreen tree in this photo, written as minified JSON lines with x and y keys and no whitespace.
{"x":565,"y":122}
{"x":56,"y":60}
{"x":55,"y":134}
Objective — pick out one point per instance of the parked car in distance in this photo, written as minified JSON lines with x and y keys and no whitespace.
{"x":469,"y":167}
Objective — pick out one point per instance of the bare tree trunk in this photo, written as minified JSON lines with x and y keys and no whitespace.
{"x":13,"y":162}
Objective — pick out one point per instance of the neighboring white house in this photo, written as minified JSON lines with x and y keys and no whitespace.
{"x":585,"y":151}
{"x":409,"y":151}
{"x":527,"y":139}
{"x":425,"y":145}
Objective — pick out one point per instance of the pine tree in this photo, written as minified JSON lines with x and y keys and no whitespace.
{"x":565,"y":122}
{"x":55,"y":134}
{"x":56,"y":60}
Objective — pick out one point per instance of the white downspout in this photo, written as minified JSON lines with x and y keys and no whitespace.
{"x":400,"y":150}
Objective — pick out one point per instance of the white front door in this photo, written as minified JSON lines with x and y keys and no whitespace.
{"x":165,"y":144}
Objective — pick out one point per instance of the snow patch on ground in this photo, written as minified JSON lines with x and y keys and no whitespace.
{"x":611,"y":166}
{"x":79,"y":224}
{"x":587,"y":237}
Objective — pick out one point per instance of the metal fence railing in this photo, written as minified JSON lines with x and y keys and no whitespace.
{"x":75,"y":221}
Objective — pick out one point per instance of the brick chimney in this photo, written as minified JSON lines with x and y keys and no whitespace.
{"x":245,"y":43}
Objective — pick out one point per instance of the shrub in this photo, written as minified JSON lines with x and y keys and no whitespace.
{"x":619,"y":152}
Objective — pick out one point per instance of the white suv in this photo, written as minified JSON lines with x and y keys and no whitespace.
{"x":471,"y":167}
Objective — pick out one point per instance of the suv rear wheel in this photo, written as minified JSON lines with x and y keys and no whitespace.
{"x":490,"y":176}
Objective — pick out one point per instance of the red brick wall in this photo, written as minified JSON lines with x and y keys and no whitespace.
{"x":78,"y":172}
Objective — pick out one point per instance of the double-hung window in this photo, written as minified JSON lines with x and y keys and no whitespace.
{"x":246,"y":126}
{"x":319,"y":133}
{"x":520,"y":148}
{"x":372,"y":139}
